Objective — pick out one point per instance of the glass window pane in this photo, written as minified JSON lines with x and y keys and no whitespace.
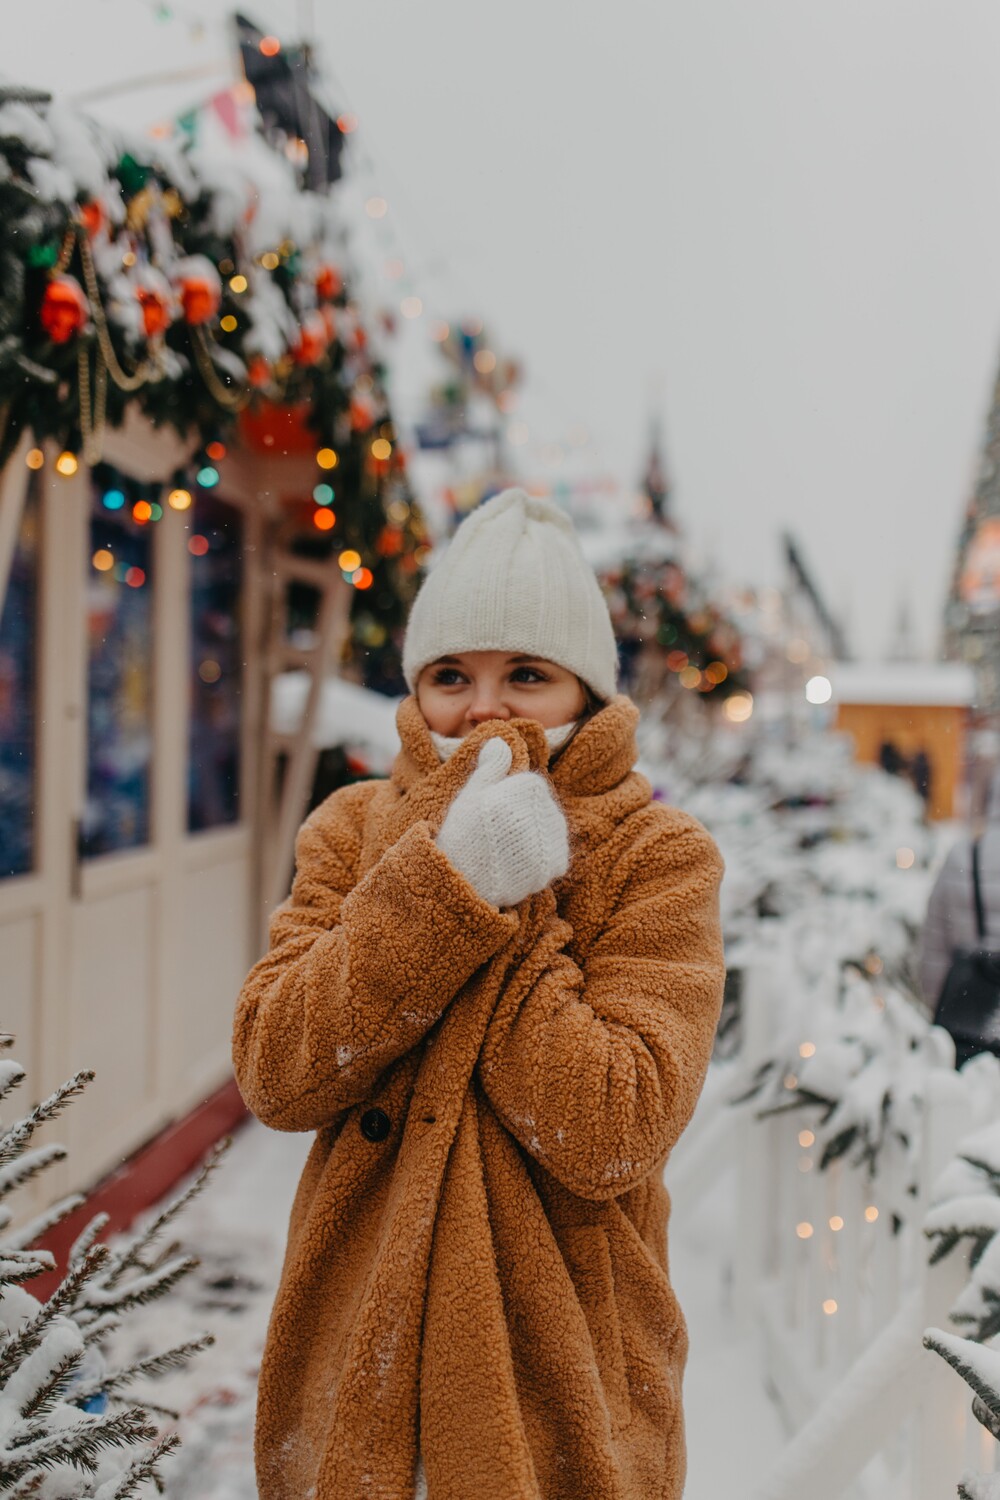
{"x":119,"y":670}
{"x":18,"y":664}
{"x":216,"y":548}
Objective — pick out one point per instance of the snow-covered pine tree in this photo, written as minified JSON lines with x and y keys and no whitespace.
{"x":979,"y":1367}
{"x":71,"y":1428}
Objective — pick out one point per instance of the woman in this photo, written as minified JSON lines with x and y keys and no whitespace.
{"x":492,"y":994}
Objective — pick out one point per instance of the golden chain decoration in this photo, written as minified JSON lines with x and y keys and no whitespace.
{"x":233,"y":399}
{"x":149,"y":369}
{"x":92,"y":416}
{"x":66,"y":253}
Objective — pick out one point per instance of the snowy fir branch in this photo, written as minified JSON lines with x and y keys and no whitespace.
{"x":70,"y":1425}
{"x":138,"y":1472}
{"x":134,"y":1255}
{"x":38,"y":1227}
{"x":979,"y":1367}
{"x":14,"y":1140}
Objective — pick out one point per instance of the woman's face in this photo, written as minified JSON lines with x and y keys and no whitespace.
{"x":455,"y":693}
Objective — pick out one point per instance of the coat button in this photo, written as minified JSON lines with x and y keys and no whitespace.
{"x":375,"y":1125}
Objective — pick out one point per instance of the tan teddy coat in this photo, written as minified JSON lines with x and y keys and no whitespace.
{"x":487,"y":1284}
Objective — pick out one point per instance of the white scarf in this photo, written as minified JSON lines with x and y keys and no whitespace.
{"x":446,"y":746}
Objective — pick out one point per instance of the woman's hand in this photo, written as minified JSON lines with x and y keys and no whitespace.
{"x":506,"y":834}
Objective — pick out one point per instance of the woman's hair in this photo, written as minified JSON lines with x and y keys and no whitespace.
{"x":592,"y":704}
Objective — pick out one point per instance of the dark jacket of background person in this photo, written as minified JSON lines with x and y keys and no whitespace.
{"x":951,"y":911}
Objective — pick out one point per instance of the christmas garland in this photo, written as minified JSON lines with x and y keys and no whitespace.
{"x":146,"y":280}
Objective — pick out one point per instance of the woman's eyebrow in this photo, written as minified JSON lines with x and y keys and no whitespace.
{"x":523,"y":659}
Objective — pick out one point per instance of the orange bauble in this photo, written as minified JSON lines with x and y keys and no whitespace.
{"x":64,"y":309}
{"x":155,"y":311}
{"x":329,"y":283}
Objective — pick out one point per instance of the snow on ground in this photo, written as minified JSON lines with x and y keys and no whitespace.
{"x":237,"y":1228}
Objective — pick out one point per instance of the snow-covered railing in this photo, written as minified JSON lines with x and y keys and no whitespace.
{"x":832,"y":1265}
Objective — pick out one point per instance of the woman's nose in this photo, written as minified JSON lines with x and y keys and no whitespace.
{"x":486,"y":705}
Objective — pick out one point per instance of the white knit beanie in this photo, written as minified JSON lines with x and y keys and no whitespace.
{"x":514,"y":579}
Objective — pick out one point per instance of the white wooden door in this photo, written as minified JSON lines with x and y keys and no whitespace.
{"x":123,"y":945}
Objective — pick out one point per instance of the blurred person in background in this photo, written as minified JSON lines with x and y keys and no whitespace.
{"x":954,"y":929}
{"x":492,"y":994}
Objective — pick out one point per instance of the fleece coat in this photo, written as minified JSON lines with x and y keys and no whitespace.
{"x":476,"y":1266}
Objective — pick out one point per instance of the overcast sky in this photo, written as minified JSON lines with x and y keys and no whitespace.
{"x":775,"y":222}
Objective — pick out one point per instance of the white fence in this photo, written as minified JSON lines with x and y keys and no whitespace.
{"x":834,"y":1282}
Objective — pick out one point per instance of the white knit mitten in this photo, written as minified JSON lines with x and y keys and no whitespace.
{"x":506,"y":834}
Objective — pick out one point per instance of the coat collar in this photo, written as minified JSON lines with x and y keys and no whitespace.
{"x":595,"y":761}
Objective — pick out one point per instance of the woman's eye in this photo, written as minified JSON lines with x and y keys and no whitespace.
{"x":528,"y":674}
{"x":447,"y":676}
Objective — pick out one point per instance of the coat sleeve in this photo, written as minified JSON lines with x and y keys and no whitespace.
{"x":596,"y":1071}
{"x":357,"y":972}
{"x":937,"y":938}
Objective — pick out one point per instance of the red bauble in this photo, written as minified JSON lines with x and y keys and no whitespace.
{"x":362,"y":413}
{"x":311,"y":343}
{"x":92,"y":217}
{"x":329,"y":283}
{"x":155,"y":311}
{"x":258,"y":371}
{"x":64,"y":309}
{"x":199,"y":289}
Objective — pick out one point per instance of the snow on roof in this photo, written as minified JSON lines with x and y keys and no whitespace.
{"x":349,"y":715}
{"x":913,"y":683}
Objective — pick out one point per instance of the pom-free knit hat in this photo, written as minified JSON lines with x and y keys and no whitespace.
{"x":514,"y":579}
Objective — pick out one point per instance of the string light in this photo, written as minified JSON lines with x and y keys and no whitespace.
{"x":376,"y":208}
{"x":34,"y":458}
{"x":208,"y":477}
{"x":381,"y":449}
{"x":135,"y":578}
{"x":142,"y":512}
{"x":836,"y":1223}
{"x":67,"y":464}
{"x":871,"y":1213}
{"x":198,"y":546}
{"x":738,"y":708}
{"x":270,"y":46}
{"x":804,"y":1231}
{"x":323,"y":494}
{"x":238,"y":283}
{"x":103,"y":560}
{"x":327,"y":458}
{"x":113,"y":499}
{"x":228,"y":324}
{"x":807,"y":1049}
{"x":349,"y":560}
{"x":411,"y":307}
{"x":216,"y":451}
{"x":179,"y":499}
{"x":829,"y":1307}
{"x":324,"y":520}
{"x":270,"y":261}
{"x":806,"y":1138}
{"x":362,"y":578}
